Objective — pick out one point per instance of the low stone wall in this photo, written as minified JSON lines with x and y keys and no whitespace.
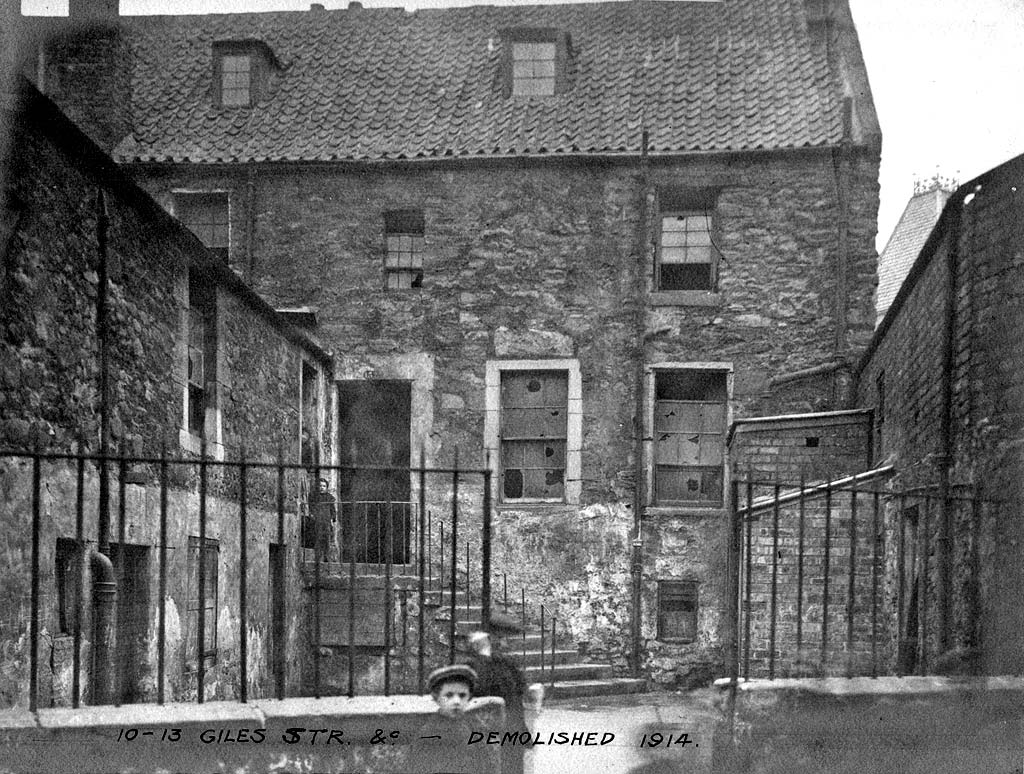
{"x":909,"y":725}
{"x":364,"y":734}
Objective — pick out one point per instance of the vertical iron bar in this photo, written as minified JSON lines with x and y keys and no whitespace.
{"x":318,"y":556}
{"x":455,"y":533}
{"x":430,"y":540}
{"x":76,"y":656}
{"x":851,"y":586}
{"x":522,"y":591}
{"x":922,"y":595}
{"x":33,"y":678}
{"x":485,"y":557}
{"x":747,"y":577}
{"x":775,"y":582}
{"x":243,"y":557}
{"x":280,"y":628}
{"x":161,"y":644}
{"x":901,"y":568}
{"x":388,"y":602}
{"x":554,"y":628}
{"x":825,"y":570}
{"x":542,"y":642}
{"x":467,"y":578}
{"x":504,"y":589}
{"x":440,"y":577}
{"x":421,"y":588}
{"x":735,"y":547}
{"x":201,"y":625}
{"x":352,"y":623}
{"x":802,"y":513}
{"x":121,"y":573}
{"x":874,"y":586}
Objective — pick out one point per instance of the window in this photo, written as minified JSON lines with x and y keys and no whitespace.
{"x":202,"y":351}
{"x":687,"y":257}
{"x":677,"y":610}
{"x":534,"y":432}
{"x":403,"y":258}
{"x":236,"y":80}
{"x":206,"y":216}
{"x":67,"y":573}
{"x":533,"y":68}
{"x":880,"y":415}
{"x":208,"y":557}
{"x":689,"y":427}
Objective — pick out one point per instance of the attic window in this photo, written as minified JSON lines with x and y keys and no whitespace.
{"x":533,"y":69}
{"x":536,"y":61}
{"x":241,"y":69}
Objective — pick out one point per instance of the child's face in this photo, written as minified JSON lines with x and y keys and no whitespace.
{"x":451,"y":696}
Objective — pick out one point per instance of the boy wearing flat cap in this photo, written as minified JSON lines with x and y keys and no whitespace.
{"x":443,"y":744}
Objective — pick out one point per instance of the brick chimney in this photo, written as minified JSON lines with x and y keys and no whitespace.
{"x":87,"y":71}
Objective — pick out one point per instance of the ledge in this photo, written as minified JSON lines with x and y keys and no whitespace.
{"x":685,"y":298}
{"x":685,"y":511}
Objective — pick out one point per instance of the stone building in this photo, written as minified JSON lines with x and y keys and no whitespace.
{"x":572,"y":243}
{"x":123,"y":336}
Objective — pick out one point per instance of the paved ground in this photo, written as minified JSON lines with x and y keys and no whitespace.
{"x":629,"y":718}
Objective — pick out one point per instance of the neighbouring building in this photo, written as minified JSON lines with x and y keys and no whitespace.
{"x":571,"y":243}
{"x":908,"y":237}
{"x":98,"y":278}
{"x":944,"y":373}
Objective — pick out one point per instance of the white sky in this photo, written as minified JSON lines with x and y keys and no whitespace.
{"x":947,"y":78}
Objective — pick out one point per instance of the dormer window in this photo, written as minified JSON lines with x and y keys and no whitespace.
{"x":536,"y":61}
{"x":533,"y":69}
{"x":236,"y":80}
{"x":241,"y":72}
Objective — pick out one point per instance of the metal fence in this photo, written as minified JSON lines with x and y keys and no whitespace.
{"x":258,"y":505}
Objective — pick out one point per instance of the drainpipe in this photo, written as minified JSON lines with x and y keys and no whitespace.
{"x":943,"y":545}
{"x":104,"y":587}
{"x":639,"y":488}
{"x":842,"y":163}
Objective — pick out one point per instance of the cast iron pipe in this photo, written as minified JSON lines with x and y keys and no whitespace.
{"x":104,"y":601}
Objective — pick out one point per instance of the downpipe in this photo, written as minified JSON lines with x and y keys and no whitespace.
{"x":104,"y":602}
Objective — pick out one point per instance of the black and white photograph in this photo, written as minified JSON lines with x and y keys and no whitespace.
{"x":448,"y":387}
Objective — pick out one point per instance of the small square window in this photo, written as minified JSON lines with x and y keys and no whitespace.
{"x":403,"y":249}
{"x":206,"y":216}
{"x":677,"y":610}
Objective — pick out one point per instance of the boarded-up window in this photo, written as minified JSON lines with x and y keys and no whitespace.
{"x":403,"y":257}
{"x":206,"y":216}
{"x":677,"y":610}
{"x":67,"y":573}
{"x":534,"y":407}
{"x":689,"y":428}
{"x":209,"y":557}
{"x":202,"y":350}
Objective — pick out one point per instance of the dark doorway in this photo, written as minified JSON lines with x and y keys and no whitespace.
{"x":276,"y":627}
{"x":908,"y":561}
{"x":132,"y":619}
{"x":374,"y":419}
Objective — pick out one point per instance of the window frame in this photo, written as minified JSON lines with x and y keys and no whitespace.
{"x":520,"y":36}
{"x":406,"y":260}
{"x":688,"y":589}
{"x":572,"y":480}
{"x":211,"y":547}
{"x":725,"y":369}
{"x":261,"y":62}
{"x":692,"y":204}
{"x":520,"y":78}
{"x":195,"y":285}
{"x":523,"y":442}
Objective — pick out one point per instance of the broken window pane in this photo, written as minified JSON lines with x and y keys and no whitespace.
{"x":533,"y":426}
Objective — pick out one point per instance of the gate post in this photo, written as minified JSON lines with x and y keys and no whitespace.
{"x":485,"y":562}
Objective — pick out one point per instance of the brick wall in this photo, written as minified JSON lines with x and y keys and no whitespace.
{"x":981,"y":227}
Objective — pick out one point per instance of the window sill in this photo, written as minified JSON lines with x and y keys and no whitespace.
{"x":685,"y":298}
{"x":193,"y":444}
{"x":685,"y":510}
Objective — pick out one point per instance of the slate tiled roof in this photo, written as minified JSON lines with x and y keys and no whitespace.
{"x":385,"y":83}
{"x":911,"y":232}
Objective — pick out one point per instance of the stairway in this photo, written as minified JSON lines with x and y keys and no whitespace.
{"x":569,"y":677}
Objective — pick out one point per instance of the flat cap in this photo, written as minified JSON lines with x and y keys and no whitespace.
{"x":452,"y":672}
{"x":502,"y":623}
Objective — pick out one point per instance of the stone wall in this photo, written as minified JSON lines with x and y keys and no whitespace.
{"x":976,"y":394}
{"x":541,"y":259}
{"x":49,"y":367}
